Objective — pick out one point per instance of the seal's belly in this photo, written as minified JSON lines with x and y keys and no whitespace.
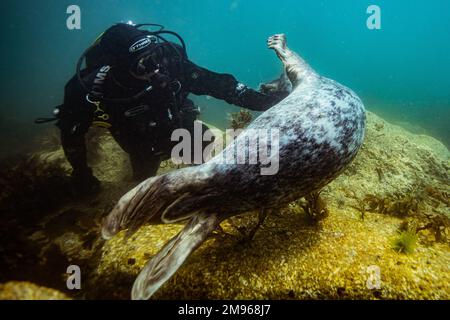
{"x":321,"y":129}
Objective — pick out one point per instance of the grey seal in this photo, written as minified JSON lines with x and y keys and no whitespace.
{"x":321,"y":126}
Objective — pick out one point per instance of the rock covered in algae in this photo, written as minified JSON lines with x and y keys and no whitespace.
{"x":15,"y":290}
{"x":290,"y":258}
{"x":397,"y":178}
{"x":108,"y":161}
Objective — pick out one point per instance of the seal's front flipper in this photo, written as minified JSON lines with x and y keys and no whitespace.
{"x":167,"y":261}
{"x":280,"y":86}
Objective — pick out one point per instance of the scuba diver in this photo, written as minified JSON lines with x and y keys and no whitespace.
{"x":136,"y":84}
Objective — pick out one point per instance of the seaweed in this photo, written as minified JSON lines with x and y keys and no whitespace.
{"x":241,"y":119}
{"x":380,"y":174}
{"x":405,"y":242}
{"x":49,"y":139}
{"x":401,"y":205}
{"x":439,"y":195}
{"x":244,"y":224}
{"x":438,"y":224}
{"x":416,"y":207}
{"x":30,"y":184}
{"x":361,"y":207}
{"x":30,"y":187}
{"x":340,"y":200}
{"x":314,"y":207}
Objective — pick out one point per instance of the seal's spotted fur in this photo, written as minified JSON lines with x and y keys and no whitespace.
{"x":321,"y":128}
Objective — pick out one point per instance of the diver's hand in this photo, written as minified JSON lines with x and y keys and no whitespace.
{"x":84,"y":181}
{"x":268,"y":88}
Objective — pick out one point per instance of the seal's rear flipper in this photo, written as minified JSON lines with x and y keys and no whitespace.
{"x":167,"y":261}
{"x":296,"y":68}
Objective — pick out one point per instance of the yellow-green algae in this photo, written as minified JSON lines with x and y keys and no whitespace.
{"x":405,"y":242}
{"x":290,"y":257}
{"x":16,"y":290}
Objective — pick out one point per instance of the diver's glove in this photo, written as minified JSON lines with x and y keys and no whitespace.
{"x":279,"y":88}
{"x":84,"y":181}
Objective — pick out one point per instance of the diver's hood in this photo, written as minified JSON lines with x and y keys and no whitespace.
{"x":126,"y":43}
{"x":131,"y":50}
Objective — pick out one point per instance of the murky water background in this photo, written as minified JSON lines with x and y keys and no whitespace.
{"x":400,"y":71}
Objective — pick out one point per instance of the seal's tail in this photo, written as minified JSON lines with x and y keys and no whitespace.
{"x":167,"y":261}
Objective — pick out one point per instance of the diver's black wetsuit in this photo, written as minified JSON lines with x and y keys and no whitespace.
{"x":146,"y":136}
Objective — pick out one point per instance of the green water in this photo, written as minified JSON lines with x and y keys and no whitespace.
{"x":401,"y":71}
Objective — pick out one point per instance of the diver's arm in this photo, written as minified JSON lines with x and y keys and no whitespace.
{"x":225,"y":87}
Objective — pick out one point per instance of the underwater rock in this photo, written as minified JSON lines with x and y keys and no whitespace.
{"x":395,"y":165}
{"x":290,"y":257}
{"x":28,"y":291}
{"x":108,"y":161}
{"x":43,"y":226}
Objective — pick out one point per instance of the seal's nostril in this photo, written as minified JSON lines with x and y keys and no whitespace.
{"x":107,"y":233}
{"x":108,"y":229}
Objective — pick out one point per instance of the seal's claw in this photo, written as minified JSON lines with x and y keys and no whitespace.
{"x":277,"y":41}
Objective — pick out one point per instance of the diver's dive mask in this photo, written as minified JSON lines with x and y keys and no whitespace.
{"x":148,"y":69}
{"x":145,"y":67}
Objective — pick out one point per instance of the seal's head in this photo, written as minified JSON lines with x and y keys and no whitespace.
{"x":124,"y":213}
{"x":110,"y":227}
{"x":114,"y":222}
{"x":140,"y":205}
